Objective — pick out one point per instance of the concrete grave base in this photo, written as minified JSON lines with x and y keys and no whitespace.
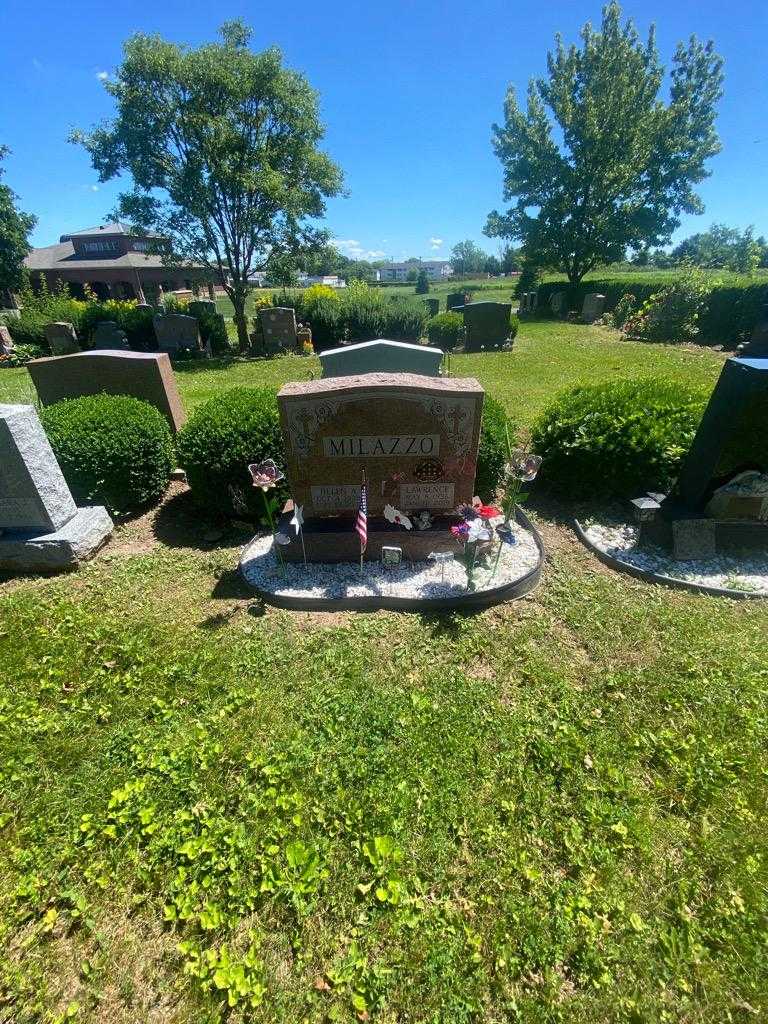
{"x":419,"y":586}
{"x":335,"y":540}
{"x":75,"y":542}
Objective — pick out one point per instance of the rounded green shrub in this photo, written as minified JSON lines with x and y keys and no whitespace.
{"x":446,"y":331}
{"x":616,"y":439}
{"x":113,"y":450}
{"x":220,"y":440}
{"x":492,"y":454}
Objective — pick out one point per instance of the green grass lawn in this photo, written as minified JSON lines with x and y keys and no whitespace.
{"x":547,"y":356}
{"x":552,"y":811}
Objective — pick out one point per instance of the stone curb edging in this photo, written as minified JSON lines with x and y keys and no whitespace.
{"x":666,"y":581}
{"x":472,"y":601}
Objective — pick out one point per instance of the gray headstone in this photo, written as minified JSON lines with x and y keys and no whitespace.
{"x":278,"y":325}
{"x":175,"y":332}
{"x":34,"y":495}
{"x":486,"y":324}
{"x":6,"y":341}
{"x":594,"y":307}
{"x":381,"y":356}
{"x":61,"y":338}
{"x":557,"y":303}
{"x":108,"y":335}
{"x":199,"y":307}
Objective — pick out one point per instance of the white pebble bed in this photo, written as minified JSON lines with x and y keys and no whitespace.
{"x":747,"y":573}
{"x":417,"y":580}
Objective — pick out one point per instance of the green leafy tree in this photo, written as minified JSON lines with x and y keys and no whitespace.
{"x":598,"y":162}
{"x":222,"y":145}
{"x":15,"y":227}
{"x":467,"y":258}
{"x":721,"y":247}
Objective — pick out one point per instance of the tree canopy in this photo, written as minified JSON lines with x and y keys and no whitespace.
{"x":468,"y":258}
{"x":597,"y":162}
{"x":721,"y":247}
{"x":222,"y":145}
{"x":15,"y":227}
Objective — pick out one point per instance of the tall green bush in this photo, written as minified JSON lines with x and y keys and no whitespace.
{"x":673,"y":312}
{"x":113,"y":450}
{"x":492,"y":452}
{"x":616,"y":439}
{"x":219,"y":441}
{"x":446,"y":331}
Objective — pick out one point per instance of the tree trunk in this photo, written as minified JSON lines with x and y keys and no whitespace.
{"x":241,"y":322}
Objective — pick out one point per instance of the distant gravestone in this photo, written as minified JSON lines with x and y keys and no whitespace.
{"x":201,"y":307}
{"x":61,"y":338}
{"x":177,"y":333}
{"x":454,"y":299}
{"x":108,"y":335}
{"x":593,"y":308}
{"x":432,"y":306}
{"x":145,"y":375}
{"x":7,"y":348}
{"x":557,"y":303}
{"x":41,"y":528}
{"x":278,"y":325}
{"x":486,"y":325}
{"x":381,"y":356}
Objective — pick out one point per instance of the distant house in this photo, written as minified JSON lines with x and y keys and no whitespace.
{"x":330,"y":280}
{"x":114,"y":263}
{"x":436,"y":270}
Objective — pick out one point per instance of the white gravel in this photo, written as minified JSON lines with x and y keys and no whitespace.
{"x":747,"y":573}
{"x":418,"y":580}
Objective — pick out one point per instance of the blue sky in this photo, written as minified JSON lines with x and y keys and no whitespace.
{"x":408,"y":90}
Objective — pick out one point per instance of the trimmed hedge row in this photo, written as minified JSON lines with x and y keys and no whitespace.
{"x":616,"y":439}
{"x":732,"y":310}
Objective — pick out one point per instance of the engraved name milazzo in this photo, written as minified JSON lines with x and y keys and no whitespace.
{"x":378,"y":446}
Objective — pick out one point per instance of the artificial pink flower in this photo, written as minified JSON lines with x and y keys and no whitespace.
{"x":265,"y":474}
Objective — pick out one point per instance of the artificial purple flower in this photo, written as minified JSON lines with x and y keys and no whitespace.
{"x":265,"y":474}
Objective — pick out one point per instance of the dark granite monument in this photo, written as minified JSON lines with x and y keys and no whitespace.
{"x":724,"y":478}
{"x":486,"y":325}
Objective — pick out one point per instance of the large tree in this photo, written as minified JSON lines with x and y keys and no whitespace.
{"x":598,"y":162}
{"x":15,"y":227}
{"x":721,"y":246}
{"x":468,"y":258}
{"x":222,"y":145}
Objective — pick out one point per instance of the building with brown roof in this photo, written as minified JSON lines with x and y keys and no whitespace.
{"x":114,"y":263}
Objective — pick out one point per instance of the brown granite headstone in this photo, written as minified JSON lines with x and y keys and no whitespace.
{"x":416,"y":438}
{"x":145,"y":375}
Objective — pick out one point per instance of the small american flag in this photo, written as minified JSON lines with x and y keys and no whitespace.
{"x":361,"y":524}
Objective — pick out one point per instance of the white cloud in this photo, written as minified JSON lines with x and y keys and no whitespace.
{"x":94,"y":188}
{"x":435,"y":243}
{"x":352,"y":248}
{"x":102,"y":75}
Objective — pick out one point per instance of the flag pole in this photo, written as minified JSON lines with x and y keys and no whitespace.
{"x":362,"y":549}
